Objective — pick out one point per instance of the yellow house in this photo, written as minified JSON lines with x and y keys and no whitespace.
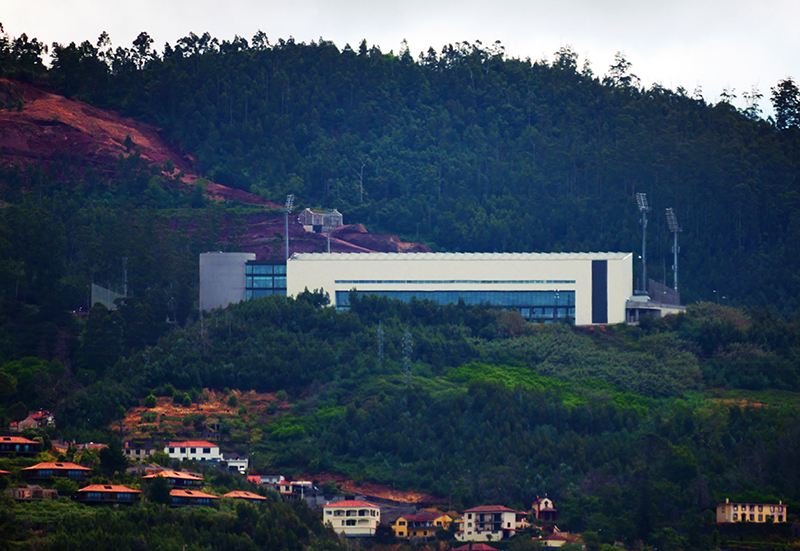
{"x":751,"y":512}
{"x":421,"y":525}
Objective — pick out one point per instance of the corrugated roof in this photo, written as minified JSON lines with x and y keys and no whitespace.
{"x":458,"y":256}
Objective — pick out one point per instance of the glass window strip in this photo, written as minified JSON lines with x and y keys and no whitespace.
{"x":455,"y":281}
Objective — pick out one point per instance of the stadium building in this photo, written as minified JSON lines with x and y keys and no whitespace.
{"x":589,"y":288}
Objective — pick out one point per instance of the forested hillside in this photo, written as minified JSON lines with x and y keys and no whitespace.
{"x":470,"y":150}
{"x":635,"y":431}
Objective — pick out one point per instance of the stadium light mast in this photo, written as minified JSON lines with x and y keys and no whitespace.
{"x":641,"y":200}
{"x":328,"y":227}
{"x":289,"y":202}
{"x":672,"y":221}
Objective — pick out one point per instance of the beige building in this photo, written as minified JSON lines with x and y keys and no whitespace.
{"x":751,"y":512}
{"x":352,"y":517}
{"x":589,"y":288}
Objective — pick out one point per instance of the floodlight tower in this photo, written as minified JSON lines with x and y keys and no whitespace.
{"x":328,"y":227}
{"x":289,"y":202}
{"x":641,"y":200}
{"x":672,"y":221}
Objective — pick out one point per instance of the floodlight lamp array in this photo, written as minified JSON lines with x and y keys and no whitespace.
{"x":672,"y":221}
{"x":289,"y":202}
{"x":641,"y":200}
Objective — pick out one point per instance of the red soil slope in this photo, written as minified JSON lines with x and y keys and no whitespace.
{"x":48,"y":125}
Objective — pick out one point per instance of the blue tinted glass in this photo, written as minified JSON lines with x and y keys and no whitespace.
{"x":280,"y":282}
{"x":281,"y":269}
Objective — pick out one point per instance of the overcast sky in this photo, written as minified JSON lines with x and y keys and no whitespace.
{"x":707,"y":43}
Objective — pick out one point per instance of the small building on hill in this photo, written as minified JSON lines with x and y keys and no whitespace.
{"x":247,"y":496}
{"x":751,"y":512}
{"x":193,"y":450}
{"x":320,"y":221}
{"x":353,"y":518}
{"x":487,"y":522}
{"x":48,"y":470}
{"x":16,"y":445}
{"x":543,"y":509}
{"x":420,"y":525}
{"x":31,"y":493}
{"x":139,"y":449}
{"x":108,"y":493}
{"x":35,"y":420}
{"x":176,"y":479}
{"x":191,"y":497}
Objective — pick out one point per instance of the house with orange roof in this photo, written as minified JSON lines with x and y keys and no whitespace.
{"x":487,"y":523}
{"x":56,"y":470}
{"x":352,"y":518}
{"x":19,"y":446}
{"x":248,"y":496}
{"x":191,"y":497}
{"x":193,"y":450}
{"x":554,"y":540}
{"x":178,"y":479}
{"x":108,"y":493}
{"x":36,"y":420}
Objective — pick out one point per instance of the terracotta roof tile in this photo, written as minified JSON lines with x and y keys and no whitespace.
{"x":351,"y":503}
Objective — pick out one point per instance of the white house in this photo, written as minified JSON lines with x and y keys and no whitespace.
{"x":487,"y":523}
{"x":193,"y":450}
{"x":352,"y":517}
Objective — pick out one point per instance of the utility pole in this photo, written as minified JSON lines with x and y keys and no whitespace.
{"x":641,"y":200}
{"x":289,"y":202}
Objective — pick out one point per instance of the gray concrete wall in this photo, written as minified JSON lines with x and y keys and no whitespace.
{"x":222,"y":279}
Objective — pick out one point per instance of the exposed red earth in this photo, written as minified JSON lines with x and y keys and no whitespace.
{"x":48,"y":125}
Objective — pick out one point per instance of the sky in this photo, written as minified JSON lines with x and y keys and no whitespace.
{"x":706,"y":44}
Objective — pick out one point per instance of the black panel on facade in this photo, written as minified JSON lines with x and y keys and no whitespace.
{"x":599,"y":291}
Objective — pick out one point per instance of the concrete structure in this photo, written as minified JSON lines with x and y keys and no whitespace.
{"x":31,"y":493}
{"x":352,"y":517}
{"x":222,"y":280}
{"x":193,"y":450}
{"x":751,"y":512}
{"x":589,"y":288}
{"x":487,"y":523}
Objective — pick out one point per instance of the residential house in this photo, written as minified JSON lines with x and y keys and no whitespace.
{"x":18,"y":446}
{"x":751,"y":512}
{"x":108,"y":493}
{"x":420,"y":525}
{"x":487,"y":523}
{"x":35,"y":420}
{"x":193,"y":450}
{"x":553,"y":540}
{"x":31,"y":493}
{"x":544,"y":510}
{"x":475,"y":547}
{"x":48,"y":470}
{"x":318,"y":222}
{"x":235,"y":462}
{"x":191,"y":497}
{"x":261,"y":479}
{"x":352,"y":518}
{"x":177,"y":479}
{"x":139,"y":449}
{"x":247,"y":496}
{"x":522,"y":522}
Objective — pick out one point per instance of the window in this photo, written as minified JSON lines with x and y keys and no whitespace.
{"x":172,"y":450}
{"x":350,"y":522}
{"x":752,"y":516}
{"x":402,"y":523}
{"x":735,"y":516}
{"x":191,"y":450}
{"x":735,"y":508}
{"x":206,"y":450}
{"x":760,"y":508}
{"x":760,"y":518}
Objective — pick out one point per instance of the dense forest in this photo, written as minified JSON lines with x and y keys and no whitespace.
{"x":465,"y":150}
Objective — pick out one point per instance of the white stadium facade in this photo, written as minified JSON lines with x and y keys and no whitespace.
{"x":586,"y":288}
{"x":589,"y":288}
